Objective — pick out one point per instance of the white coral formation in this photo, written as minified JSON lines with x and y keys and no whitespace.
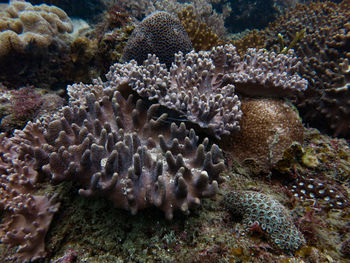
{"x":260,"y":210}
{"x":22,"y":24}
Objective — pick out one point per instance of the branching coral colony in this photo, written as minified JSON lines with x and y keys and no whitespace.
{"x":116,"y":139}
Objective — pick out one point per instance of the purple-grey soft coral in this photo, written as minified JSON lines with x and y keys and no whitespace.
{"x":201,"y":86}
{"x":126,"y":151}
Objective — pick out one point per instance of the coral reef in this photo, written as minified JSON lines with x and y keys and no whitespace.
{"x":262,"y":211}
{"x":201,"y":86}
{"x":202,"y":37}
{"x":161,"y":34}
{"x":263,"y":73}
{"x":318,"y":171}
{"x":268,"y":127}
{"x":253,"y":39}
{"x":98,"y":148}
{"x":324,"y":51}
{"x":202,"y":9}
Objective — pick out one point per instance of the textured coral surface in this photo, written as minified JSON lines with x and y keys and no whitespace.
{"x":268,"y":127}
{"x":260,"y":210}
{"x":161,"y":34}
{"x":22,"y":24}
{"x":141,"y":138}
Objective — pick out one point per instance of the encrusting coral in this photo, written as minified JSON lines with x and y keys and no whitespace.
{"x":161,"y":34}
{"x":264,"y":212}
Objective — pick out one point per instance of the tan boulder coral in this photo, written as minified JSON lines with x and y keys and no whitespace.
{"x":268,"y":127}
{"x":22,"y":24}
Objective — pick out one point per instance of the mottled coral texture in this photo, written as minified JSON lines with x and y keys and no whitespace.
{"x":257,"y":209}
{"x":268,"y":127}
{"x":161,"y":34}
{"x":125,"y":152}
{"x":324,"y":51}
{"x":123,"y":149}
{"x":125,"y":139}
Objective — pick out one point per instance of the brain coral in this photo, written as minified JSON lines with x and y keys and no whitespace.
{"x":260,"y":210}
{"x":22,"y":24}
{"x":268,"y":127}
{"x":161,"y":34}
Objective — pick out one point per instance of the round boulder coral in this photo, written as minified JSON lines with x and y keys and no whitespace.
{"x":161,"y":34}
{"x":268,"y":127}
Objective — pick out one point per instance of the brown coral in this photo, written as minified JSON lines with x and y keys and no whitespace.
{"x":268,"y":127}
{"x":253,"y":39}
{"x":202,"y":37}
{"x":22,"y":24}
{"x":161,"y":34}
